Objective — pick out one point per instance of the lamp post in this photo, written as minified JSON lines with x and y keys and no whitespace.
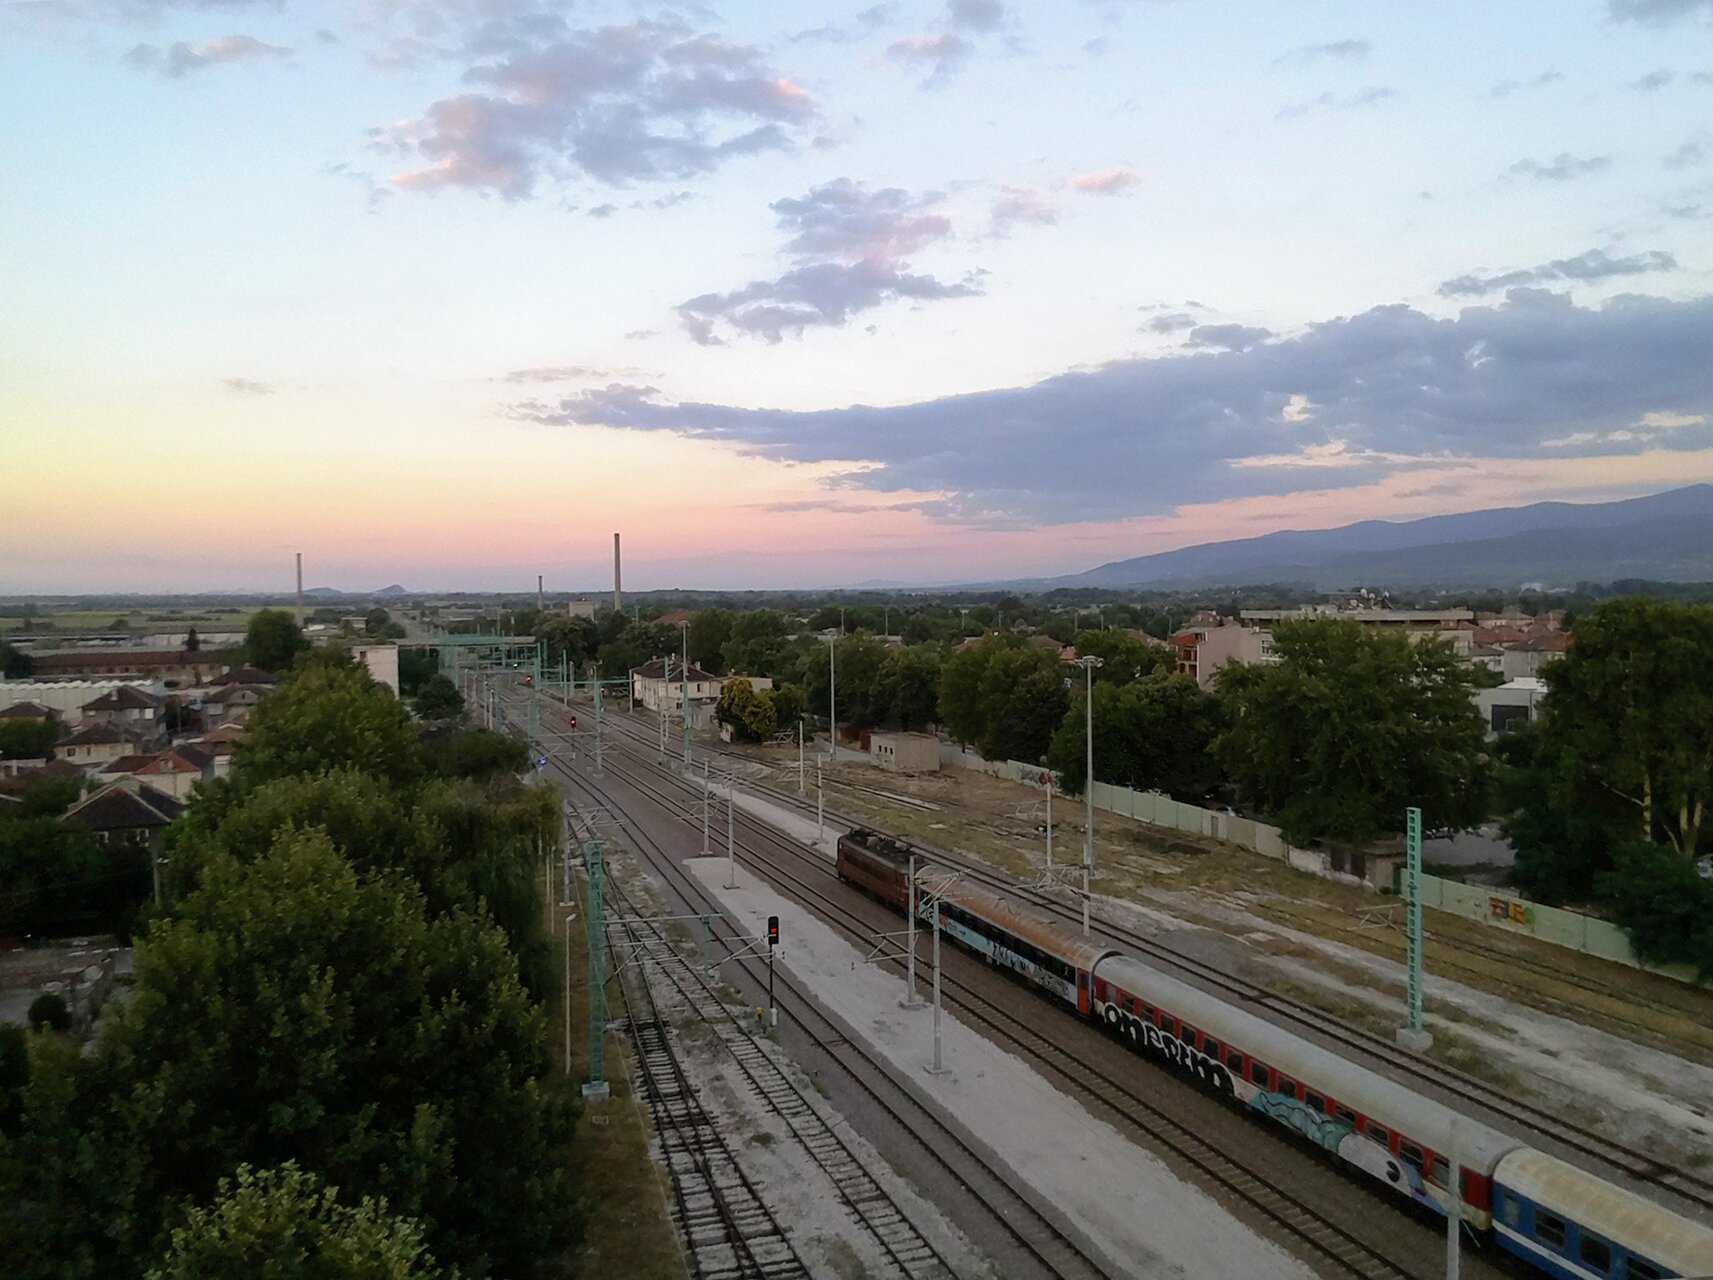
{"x":685,"y":681}
{"x":1088,"y":662}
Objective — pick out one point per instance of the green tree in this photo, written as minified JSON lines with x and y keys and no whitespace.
{"x":710,"y":629}
{"x":1153,"y":734}
{"x":292,"y":1010}
{"x":192,"y":641}
{"x":27,"y":739}
{"x":328,"y":715}
{"x":750,"y":712}
{"x":273,"y":640}
{"x":756,"y":644}
{"x":862,"y":699}
{"x":1123,"y":657}
{"x":48,"y":1012}
{"x":1349,"y":728}
{"x":1005,"y":697}
{"x":14,"y":664}
{"x":439,"y":699}
{"x":286,"y":1224}
{"x":1663,"y":904}
{"x":909,"y":681}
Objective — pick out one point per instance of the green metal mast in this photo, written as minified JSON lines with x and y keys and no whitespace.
{"x":596,"y":1085}
{"x":1414,"y":1035}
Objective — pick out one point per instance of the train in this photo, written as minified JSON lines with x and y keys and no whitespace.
{"x":1556,"y":1217}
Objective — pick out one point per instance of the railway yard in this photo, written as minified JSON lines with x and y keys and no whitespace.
{"x":825,"y":1145}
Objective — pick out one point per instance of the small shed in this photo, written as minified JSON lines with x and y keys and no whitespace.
{"x":906,"y":752}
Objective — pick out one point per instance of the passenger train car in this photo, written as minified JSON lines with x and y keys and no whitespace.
{"x":1555,"y":1216}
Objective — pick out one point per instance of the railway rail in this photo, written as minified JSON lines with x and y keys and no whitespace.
{"x":906,"y":1251}
{"x":1687,"y":1188}
{"x":1336,"y":1249}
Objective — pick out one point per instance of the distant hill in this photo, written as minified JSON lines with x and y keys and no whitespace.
{"x":1667,"y":537}
{"x":394,"y":590}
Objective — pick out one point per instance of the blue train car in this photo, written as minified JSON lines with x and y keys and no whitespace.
{"x":1571,"y":1224}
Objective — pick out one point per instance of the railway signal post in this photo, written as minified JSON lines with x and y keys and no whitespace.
{"x":1414,"y":1036}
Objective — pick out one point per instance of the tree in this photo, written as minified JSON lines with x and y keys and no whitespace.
{"x":286,"y":1224}
{"x":1152,"y":734}
{"x":192,"y":641}
{"x":750,"y":713}
{"x":909,"y":681}
{"x":14,"y":664}
{"x":709,"y":631}
{"x":862,"y":701}
{"x":1123,"y":657}
{"x":439,"y":699}
{"x":1349,"y":728}
{"x":328,"y":715}
{"x":48,"y":1012}
{"x":1663,"y":903}
{"x":290,"y":1009}
{"x":756,"y":643}
{"x":1631,"y":704}
{"x":790,"y":706}
{"x":27,"y":739}
{"x":1006,"y":697}
{"x":273,"y":640}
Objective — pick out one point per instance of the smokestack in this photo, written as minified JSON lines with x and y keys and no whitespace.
{"x":300,"y":590}
{"x":538,"y":593}
{"x":618,"y":593}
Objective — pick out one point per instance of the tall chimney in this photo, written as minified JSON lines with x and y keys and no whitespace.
{"x":538,"y":593}
{"x":300,"y":590}
{"x":618,"y":594}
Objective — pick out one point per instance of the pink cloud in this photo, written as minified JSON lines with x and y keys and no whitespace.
{"x":1106,"y":182}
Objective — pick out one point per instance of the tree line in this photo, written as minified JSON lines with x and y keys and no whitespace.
{"x":332,"y":1058}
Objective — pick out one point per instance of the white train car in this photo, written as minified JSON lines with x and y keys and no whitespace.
{"x":1391,"y":1133}
{"x":1573,"y":1225}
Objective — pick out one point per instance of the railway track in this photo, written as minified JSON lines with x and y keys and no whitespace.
{"x":906,"y":1251}
{"x":1456,"y":1087}
{"x":1336,"y":1250}
{"x":1034,"y":1229}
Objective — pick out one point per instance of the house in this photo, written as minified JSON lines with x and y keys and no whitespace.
{"x":123,"y":807}
{"x":382,"y":663}
{"x":29,"y":710}
{"x":1203,"y":649}
{"x":1525,"y":657}
{"x":230,"y":703}
{"x":218,"y":745}
{"x":65,"y":698}
{"x":673,"y":618}
{"x":124,"y":704}
{"x":659,"y":685}
{"x":1512,"y":705}
{"x":580,"y":609}
{"x":97,"y":745}
{"x":246,"y":674}
{"x":173,"y":771}
{"x":905,"y":752}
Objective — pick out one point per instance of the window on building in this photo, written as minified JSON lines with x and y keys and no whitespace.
{"x":1379,"y":1135}
{"x":1549,"y":1228}
{"x":1286,"y":1086}
{"x":1510,"y":1210}
{"x":1344,"y":1113}
{"x":1234,"y":1061}
{"x":1640,"y":1269}
{"x":1260,"y":1072}
{"x":1315,"y":1100}
{"x":1595,"y":1252}
{"x":1411,"y":1154}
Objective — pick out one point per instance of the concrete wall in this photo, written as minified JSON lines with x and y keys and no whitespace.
{"x":382,"y":660}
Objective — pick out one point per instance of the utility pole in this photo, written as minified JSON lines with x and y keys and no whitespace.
{"x":1088,"y":663}
{"x":707,"y":804}
{"x":833,"y":694}
{"x":731,"y":844}
{"x":597,"y":684}
{"x":939,"y":1067}
{"x":910,"y":1001}
{"x":568,"y":920}
{"x":1454,"y":1214}
{"x":686,"y":683}
{"x":820,"y":805}
{"x":596,"y":1085}
{"x":799,"y":757}
{"x":1414,"y":1036}
{"x":1047,"y":781}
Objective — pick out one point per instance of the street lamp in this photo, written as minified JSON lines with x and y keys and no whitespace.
{"x":1088,"y":662}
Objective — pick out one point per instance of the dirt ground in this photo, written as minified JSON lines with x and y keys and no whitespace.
{"x":1619,"y":1047}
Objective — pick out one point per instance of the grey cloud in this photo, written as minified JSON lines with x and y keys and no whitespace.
{"x":247,"y":387}
{"x":1658,"y":13}
{"x":1350,"y":50}
{"x":182,"y":58}
{"x":1364,"y":97}
{"x":618,"y":103}
{"x":1561,"y":168}
{"x":976,"y":15}
{"x":641,"y":335}
{"x":1390,"y":389}
{"x":1505,"y":88}
{"x":1654,"y":80}
{"x":603,"y":211}
{"x":851,"y":243}
{"x":1172,"y":322}
{"x":1227,"y":337}
{"x":1592,"y":265}
{"x":1692,"y":152}
{"x":818,"y":294}
{"x":553,"y":373}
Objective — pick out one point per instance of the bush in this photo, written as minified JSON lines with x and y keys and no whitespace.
{"x":1663,"y":903}
{"x":48,"y":1012}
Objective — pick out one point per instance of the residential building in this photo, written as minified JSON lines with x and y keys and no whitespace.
{"x":659,"y":685}
{"x":29,"y":710}
{"x":382,"y":661}
{"x":174,"y":771}
{"x":673,"y":618}
{"x":231,"y":703}
{"x":1512,"y":705}
{"x":125,"y":704}
{"x":123,"y":807}
{"x":95,"y":746}
{"x":1525,"y":657}
{"x":66,"y":697}
{"x":1204,"y":649}
{"x":906,"y":752}
{"x":580,"y":608}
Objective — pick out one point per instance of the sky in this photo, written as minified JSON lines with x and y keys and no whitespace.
{"x":445,"y":292}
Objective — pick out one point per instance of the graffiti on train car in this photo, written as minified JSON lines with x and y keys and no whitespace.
{"x":1148,"y":1039}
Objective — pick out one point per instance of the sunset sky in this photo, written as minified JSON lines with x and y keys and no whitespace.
{"x":444,"y":292}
